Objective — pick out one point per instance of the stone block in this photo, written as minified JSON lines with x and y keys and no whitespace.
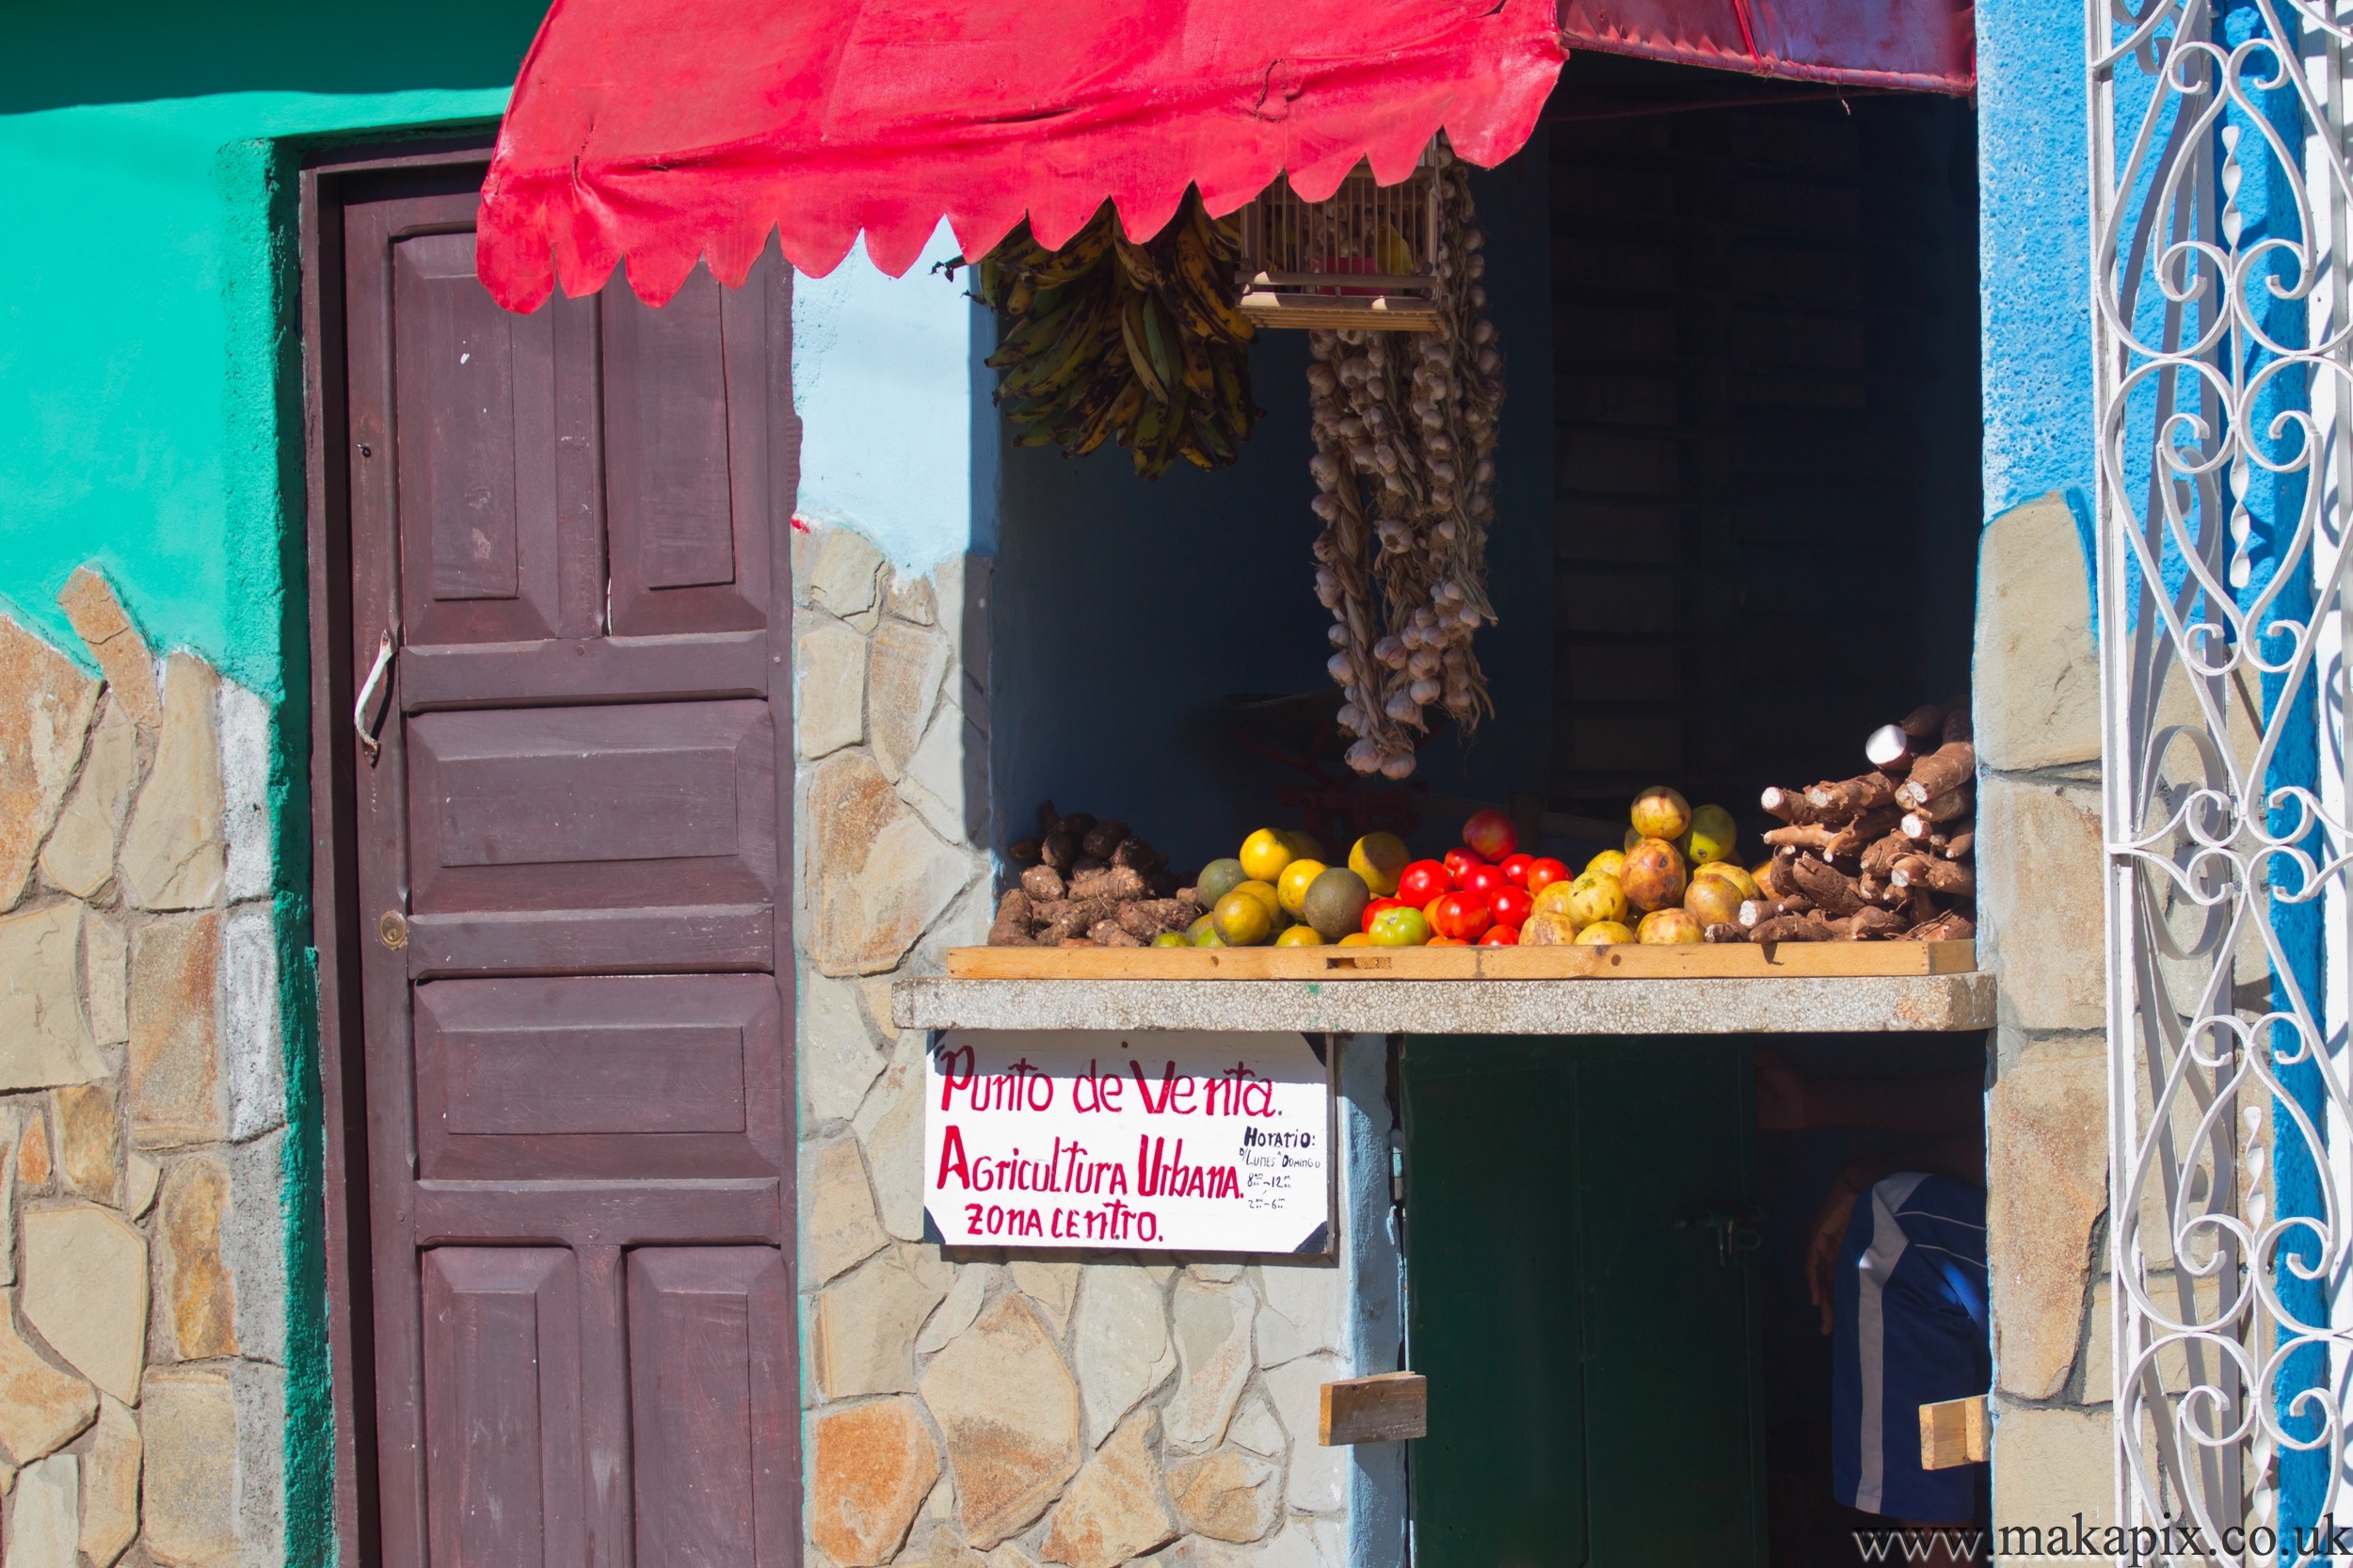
{"x":903,"y":675}
{"x":838,"y":1059}
{"x":891,"y":1124}
{"x":947,"y":778}
{"x":1050,"y":1288}
{"x":843,"y":571}
{"x":11,"y":1133}
{"x":879,"y":876}
{"x":189,"y":1483}
{"x":79,"y":856}
{"x":1113,"y":1512}
{"x":873,"y":1466}
{"x":44,"y":1518}
{"x":173,"y":855}
{"x":45,"y":708}
{"x":89,"y":1141}
{"x":877,"y":996}
{"x":1299,"y":1311}
{"x":2050,"y":1466}
{"x":863,"y":1337}
{"x":1121,"y":1346}
{"x":1318,"y":1475}
{"x":1254,"y":1428}
{"x":841,"y":1230}
{"x":33,"y":1165}
{"x":86,"y":1292}
{"x":244,"y":751}
{"x":2042,"y":903}
{"x":41,"y":1408}
{"x":110,"y":1484}
{"x":200,"y":1299}
{"x":2173,"y":1359}
{"x":106,"y":979}
{"x":141,"y":1178}
{"x":1009,"y":1411}
{"x":176,"y":1092}
{"x":868,"y":918}
{"x":911,"y":599}
{"x":252,"y":1052}
{"x":97,"y":618}
{"x":1228,"y":1495}
{"x":828,"y":686}
{"x":964,"y":1300}
{"x":2046,"y":1162}
{"x":45,"y":1035}
{"x":1212,"y":1331}
{"x":253,"y":1245}
{"x":2037,"y":671}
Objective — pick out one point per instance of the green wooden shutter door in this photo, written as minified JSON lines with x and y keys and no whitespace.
{"x":1587,"y":1321}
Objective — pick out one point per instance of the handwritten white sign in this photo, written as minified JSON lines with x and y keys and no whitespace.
{"x":1169,"y":1141}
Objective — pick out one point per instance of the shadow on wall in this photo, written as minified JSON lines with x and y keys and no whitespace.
{"x":1127,"y":610}
{"x":155,"y":50}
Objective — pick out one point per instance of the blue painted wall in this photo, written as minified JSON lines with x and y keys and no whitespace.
{"x":2034,"y":252}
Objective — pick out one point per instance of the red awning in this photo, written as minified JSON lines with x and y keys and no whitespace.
{"x":1925,"y":44}
{"x":656,"y":133}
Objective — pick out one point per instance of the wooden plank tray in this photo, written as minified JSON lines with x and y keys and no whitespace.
{"x":1626,"y":961}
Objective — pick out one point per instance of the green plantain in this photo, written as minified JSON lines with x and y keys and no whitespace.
{"x":1108,"y":337}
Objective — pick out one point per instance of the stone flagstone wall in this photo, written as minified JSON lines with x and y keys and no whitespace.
{"x":142,"y":1108}
{"x":1007,"y":1408}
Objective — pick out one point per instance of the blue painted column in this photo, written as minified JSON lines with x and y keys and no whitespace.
{"x":2264,"y":207}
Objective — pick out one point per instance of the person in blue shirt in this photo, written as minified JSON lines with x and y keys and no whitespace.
{"x":1895,"y":1266}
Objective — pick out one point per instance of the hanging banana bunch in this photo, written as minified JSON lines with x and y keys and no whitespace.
{"x":1405,"y":428}
{"x":1107,"y":338}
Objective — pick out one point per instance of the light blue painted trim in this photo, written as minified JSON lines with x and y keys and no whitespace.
{"x":883,"y":380}
{"x":1375,"y":1291}
{"x":2034,"y":251}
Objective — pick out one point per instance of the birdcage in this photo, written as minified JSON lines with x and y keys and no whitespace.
{"x":1367,"y":258}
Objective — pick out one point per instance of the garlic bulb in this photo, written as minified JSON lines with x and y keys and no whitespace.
{"x":1404,"y":463}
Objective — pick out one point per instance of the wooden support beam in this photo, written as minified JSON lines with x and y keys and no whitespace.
{"x":1387,"y":1408}
{"x":1953,"y":1433}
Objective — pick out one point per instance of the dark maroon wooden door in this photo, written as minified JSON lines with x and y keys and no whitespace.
{"x":572,"y":852}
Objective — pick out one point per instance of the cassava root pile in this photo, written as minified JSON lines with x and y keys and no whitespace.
{"x":1882,"y":856}
{"x":1406,"y":426}
{"x":1089,"y":882}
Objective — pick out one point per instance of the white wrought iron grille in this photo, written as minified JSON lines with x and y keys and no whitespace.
{"x":2225,"y":368}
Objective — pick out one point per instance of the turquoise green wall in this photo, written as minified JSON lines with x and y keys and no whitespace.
{"x":150,"y":404}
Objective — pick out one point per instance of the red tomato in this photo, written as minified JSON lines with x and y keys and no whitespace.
{"x":1501,"y":936}
{"x":1515,"y":868}
{"x":1511,"y":906}
{"x":1459,"y":862}
{"x":1377,"y":905}
{"x":1423,"y":881}
{"x":1446,"y":942}
{"x":1491,"y":834}
{"x":1485,"y":881}
{"x":1461,"y":916}
{"x":1545,"y":872}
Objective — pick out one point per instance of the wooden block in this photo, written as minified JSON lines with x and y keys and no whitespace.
{"x":1387,"y":1408}
{"x":1702,"y":961}
{"x":1953,"y":1433}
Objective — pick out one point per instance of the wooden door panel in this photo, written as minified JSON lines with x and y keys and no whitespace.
{"x":495,"y":465}
{"x":578,"y":1016}
{"x":502,"y":1401}
{"x":710,"y":1394}
{"x":564,"y":807}
{"x":604,"y":1077}
{"x":689,"y":486}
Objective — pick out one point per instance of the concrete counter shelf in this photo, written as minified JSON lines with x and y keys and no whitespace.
{"x":1820,"y":987}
